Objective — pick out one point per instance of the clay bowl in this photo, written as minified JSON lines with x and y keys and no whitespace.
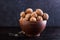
{"x":33,"y":28}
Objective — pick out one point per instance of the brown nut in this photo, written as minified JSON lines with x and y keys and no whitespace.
{"x":28,"y":16}
{"x":33,"y":19}
{"x":22,"y":14}
{"x":25,"y":19}
{"x":21,"y":20}
{"x":45,"y":16}
{"x":33,"y":14}
{"x":39,"y":18}
{"x":29,"y":10}
{"x":39,"y":12}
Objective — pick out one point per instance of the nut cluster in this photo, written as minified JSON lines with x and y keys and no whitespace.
{"x":30,"y":15}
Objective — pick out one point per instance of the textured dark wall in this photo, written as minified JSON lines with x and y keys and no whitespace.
{"x":8,"y":13}
{"x":10,"y":9}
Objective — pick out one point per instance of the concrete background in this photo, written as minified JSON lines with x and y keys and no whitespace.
{"x":10,"y":10}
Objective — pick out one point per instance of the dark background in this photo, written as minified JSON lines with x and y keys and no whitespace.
{"x":10,"y":10}
{"x":9,"y":16}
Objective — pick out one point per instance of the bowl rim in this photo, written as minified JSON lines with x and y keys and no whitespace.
{"x":31,"y":22}
{"x":36,"y":21}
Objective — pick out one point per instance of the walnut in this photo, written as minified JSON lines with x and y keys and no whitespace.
{"x":22,"y":14}
{"x":33,"y":14}
{"x":25,"y":19}
{"x":39,"y":12}
{"x":33,"y":19}
{"x":39,"y":18}
{"x":29,"y":10}
{"x":21,"y":20}
{"x":28,"y":16}
{"x":45,"y":16}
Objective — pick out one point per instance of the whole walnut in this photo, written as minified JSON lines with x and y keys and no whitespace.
{"x":39,"y":18}
{"x":33,"y":19}
{"x":21,"y":20}
{"x":27,"y":16}
{"x":45,"y":16}
{"x":39,"y":12}
{"x":22,"y":14}
{"x":34,"y":14}
{"x":25,"y":19}
{"x":29,"y":10}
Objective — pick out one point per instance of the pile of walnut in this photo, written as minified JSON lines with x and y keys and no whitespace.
{"x":30,"y":15}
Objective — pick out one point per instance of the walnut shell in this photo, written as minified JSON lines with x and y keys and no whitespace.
{"x":39,"y":12}
{"x":45,"y":16}
{"x":25,"y":19}
{"x":21,"y":20}
{"x":22,"y":14}
{"x":33,"y":19}
{"x":28,"y":16}
{"x":39,"y":18}
{"x":29,"y":10}
{"x":34,"y":14}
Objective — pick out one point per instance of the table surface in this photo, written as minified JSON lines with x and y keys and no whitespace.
{"x":50,"y":33}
